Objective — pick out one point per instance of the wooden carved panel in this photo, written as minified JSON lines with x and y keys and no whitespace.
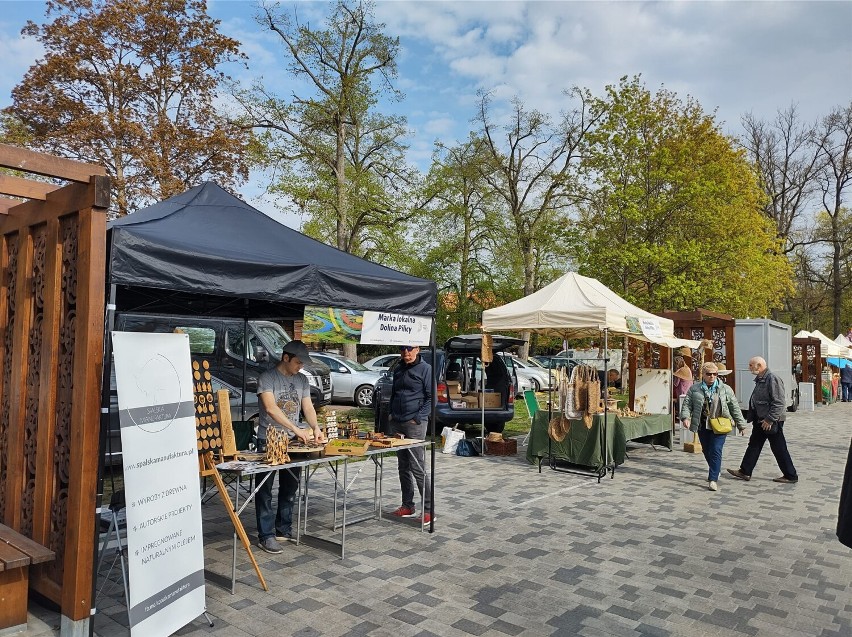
{"x":8,"y":322}
{"x":720,"y":346}
{"x":36,"y":300}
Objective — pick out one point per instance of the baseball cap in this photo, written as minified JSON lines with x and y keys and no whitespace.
{"x":298,"y":349}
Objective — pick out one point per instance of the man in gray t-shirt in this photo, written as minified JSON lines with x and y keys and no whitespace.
{"x":283,"y":394}
{"x":287,"y":394}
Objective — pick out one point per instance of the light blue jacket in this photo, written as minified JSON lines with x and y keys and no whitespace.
{"x":693,"y":403}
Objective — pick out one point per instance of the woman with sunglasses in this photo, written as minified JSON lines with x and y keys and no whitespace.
{"x":705,"y":399}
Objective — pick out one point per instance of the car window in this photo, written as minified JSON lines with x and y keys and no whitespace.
{"x":388,"y":361}
{"x":358,"y":367}
{"x":274,"y":335}
{"x":202,"y":340}
{"x":333,"y":364}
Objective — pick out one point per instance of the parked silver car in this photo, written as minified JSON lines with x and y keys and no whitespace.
{"x":350,"y":380}
{"x":381,"y":363}
{"x":538,"y":377}
{"x":524,"y":381}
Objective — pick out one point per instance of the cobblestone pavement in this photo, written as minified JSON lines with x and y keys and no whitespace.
{"x":518,"y":552}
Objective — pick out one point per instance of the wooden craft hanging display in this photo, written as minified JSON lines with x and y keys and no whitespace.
{"x":208,"y":430}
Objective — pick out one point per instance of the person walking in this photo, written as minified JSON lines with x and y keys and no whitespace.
{"x":846,"y":383}
{"x":710,"y":398}
{"x":766,"y":408}
{"x":409,"y":410}
{"x":844,"y":510}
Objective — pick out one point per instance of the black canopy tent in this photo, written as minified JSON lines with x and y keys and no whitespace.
{"x":206,"y":252}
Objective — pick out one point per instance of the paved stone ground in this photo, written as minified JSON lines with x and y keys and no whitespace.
{"x":515,"y":552}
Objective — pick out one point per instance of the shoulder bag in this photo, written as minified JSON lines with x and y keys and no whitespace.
{"x":719,"y":423}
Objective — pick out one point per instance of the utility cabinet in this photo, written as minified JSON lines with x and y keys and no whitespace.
{"x":771,"y":340}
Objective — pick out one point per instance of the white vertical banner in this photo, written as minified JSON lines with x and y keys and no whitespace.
{"x":156,"y":406}
{"x":388,"y":328}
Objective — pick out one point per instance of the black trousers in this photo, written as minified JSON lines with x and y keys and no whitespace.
{"x":777,"y":443}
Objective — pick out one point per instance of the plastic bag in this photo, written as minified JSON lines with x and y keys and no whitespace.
{"x":466,"y":448}
{"x":451,"y":439}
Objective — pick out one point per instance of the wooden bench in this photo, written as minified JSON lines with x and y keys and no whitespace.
{"x":17,"y":552}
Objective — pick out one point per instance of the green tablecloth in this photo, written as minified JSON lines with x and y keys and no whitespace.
{"x":583,"y":446}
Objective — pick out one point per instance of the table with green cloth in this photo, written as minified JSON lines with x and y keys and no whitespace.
{"x":582,"y":446}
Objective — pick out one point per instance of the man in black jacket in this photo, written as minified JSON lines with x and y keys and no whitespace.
{"x":409,"y":410}
{"x":766,"y":409}
{"x":846,"y":383}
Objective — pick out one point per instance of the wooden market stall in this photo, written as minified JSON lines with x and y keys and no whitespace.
{"x":807,"y":361}
{"x":575,"y":306}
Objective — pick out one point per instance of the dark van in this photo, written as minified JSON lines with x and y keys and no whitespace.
{"x":223,"y":343}
{"x":460,"y":376}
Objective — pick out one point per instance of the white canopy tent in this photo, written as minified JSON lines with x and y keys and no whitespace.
{"x":827,"y":347}
{"x":843,"y":341}
{"x":576,"y":306}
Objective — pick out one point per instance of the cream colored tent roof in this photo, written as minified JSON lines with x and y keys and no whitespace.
{"x":827,"y":347}
{"x":575,"y":306}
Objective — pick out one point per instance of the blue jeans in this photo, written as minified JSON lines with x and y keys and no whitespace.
{"x":778,"y":444}
{"x":279,"y":521}
{"x":711,"y":446}
{"x":846,"y":389}
{"x":412,"y":464}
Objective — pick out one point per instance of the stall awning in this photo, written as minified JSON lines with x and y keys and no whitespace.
{"x":575,"y":306}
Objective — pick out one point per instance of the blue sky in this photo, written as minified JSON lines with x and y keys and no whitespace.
{"x":733,"y":57}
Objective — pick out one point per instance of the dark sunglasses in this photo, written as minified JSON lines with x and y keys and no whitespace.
{"x":711,"y":373}
{"x":407,"y":348}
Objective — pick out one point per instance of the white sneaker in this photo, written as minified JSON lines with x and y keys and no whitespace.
{"x":713,"y":486}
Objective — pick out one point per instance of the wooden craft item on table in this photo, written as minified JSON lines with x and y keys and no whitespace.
{"x":276,"y":446}
{"x":348,"y":447}
{"x":387,"y":443}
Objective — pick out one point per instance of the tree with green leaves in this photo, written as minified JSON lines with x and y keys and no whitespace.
{"x":672,"y":215}
{"x":458,"y":234}
{"x":338,"y":160}
{"x":835,"y":222}
{"x":130,"y":85}
{"x":532,"y":170}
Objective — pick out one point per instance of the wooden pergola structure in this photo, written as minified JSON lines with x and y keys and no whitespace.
{"x":52,"y":264}
{"x":806,"y":351}
{"x":712,"y":326}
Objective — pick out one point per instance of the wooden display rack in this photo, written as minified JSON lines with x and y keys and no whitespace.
{"x":208,"y":413}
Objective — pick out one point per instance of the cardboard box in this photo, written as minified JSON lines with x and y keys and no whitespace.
{"x":454,"y":388}
{"x":493,"y":400}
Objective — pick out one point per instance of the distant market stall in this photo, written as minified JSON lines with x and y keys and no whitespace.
{"x":573,"y":307}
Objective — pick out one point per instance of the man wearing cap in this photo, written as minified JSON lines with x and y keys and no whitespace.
{"x":410,"y":407}
{"x":283,"y":394}
{"x":766,"y":409}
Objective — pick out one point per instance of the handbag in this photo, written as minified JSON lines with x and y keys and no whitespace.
{"x":721,"y":425}
{"x":718,"y":423}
